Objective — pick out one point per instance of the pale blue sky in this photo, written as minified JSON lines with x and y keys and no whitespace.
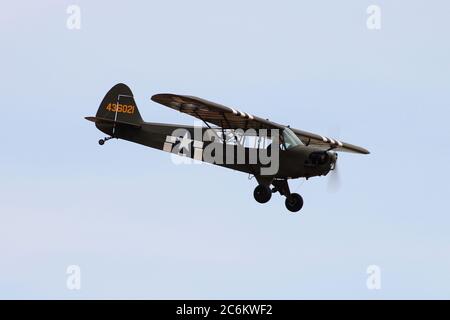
{"x":141,"y":227}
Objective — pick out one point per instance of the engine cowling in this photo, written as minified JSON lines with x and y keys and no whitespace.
{"x":319,"y":158}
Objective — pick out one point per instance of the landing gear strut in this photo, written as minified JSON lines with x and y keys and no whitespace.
{"x":102,"y":141}
{"x":263,"y":193}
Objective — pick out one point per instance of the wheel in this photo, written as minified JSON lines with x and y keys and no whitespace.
{"x":262,"y":194}
{"x":101,"y":142}
{"x":294,"y":202}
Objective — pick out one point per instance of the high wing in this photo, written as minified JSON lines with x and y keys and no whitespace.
{"x":231,"y":118}
{"x":312,"y":139}
{"x":207,"y":111}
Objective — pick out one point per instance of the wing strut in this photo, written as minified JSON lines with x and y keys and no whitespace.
{"x":207,"y":124}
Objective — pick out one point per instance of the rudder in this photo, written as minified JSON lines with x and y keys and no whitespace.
{"x":118,"y":105}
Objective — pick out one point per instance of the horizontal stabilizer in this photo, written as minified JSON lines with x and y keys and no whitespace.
{"x":99,"y":120}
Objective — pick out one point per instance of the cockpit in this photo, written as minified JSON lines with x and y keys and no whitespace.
{"x":289,"y":139}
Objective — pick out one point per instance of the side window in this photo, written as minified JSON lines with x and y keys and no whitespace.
{"x":282,"y":145}
{"x":264,"y":142}
{"x":257,"y":142}
{"x":246,"y":139}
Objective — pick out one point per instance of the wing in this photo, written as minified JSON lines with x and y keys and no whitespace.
{"x":231,"y":118}
{"x":217,"y":114}
{"x":312,"y":139}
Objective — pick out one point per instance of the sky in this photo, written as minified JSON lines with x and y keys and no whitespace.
{"x":140,"y":227}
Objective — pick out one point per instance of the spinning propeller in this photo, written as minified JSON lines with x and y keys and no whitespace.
{"x":334,"y":180}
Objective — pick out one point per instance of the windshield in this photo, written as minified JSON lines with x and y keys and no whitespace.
{"x":290,"y":139}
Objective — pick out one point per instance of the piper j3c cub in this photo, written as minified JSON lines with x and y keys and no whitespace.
{"x":271,"y":152}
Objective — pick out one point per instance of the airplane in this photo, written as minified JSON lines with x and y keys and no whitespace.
{"x":271,"y":152}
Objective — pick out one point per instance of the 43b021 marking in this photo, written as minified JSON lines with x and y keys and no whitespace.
{"x":114,"y":107}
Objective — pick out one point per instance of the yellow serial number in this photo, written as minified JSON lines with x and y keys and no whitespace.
{"x":114,"y":107}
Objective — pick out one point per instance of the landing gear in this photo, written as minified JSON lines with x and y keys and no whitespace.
{"x":102,"y":141}
{"x":262,"y":193}
{"x":294,"y":202}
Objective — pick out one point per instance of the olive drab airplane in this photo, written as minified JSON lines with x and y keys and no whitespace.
{"x":271,"y":152}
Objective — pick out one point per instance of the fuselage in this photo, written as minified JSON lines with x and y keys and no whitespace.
{"x":296,"y":162}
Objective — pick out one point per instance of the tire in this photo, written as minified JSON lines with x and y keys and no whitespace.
{"x":101,"y":142}
{"x":262,"y":194}
{"x":294,"y":202}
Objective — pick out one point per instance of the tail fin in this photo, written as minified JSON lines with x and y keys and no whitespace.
{"x":118,"y":105}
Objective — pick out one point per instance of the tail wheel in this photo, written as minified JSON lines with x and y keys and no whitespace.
{"x":294,"y":202}
{"x":262,"y":194}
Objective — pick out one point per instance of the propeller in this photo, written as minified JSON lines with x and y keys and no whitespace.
{"x":334,"y":180}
